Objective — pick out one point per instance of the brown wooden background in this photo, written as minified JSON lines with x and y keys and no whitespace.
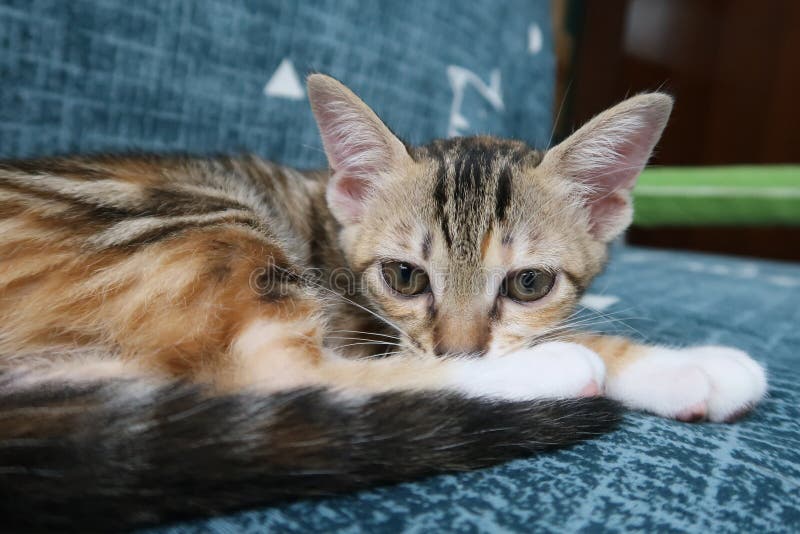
{"x":734,"y":68}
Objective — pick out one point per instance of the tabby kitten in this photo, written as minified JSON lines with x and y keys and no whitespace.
{"x":182,"y":336}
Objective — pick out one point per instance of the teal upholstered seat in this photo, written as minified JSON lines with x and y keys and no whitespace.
{"x":222,"y":75}
{"x":652,"y":475}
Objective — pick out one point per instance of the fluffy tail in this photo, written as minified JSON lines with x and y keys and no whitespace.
{"x":124,"y":453}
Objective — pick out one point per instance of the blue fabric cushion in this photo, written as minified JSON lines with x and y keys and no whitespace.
{"x":653,"y":475}
{"x":194,"y":75}
{"x":219,"y":75}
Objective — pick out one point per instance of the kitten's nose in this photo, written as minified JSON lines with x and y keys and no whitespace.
{"x":456,"y":334}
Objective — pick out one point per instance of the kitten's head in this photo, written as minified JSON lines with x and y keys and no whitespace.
{"x":480,"y":245}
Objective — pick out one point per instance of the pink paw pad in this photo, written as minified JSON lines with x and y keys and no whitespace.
{"x":590,"y":390}
{"x":693,"y":414}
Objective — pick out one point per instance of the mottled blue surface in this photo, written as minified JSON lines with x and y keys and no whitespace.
{"x":91,"y":75}
{"x":653,"y":475}
{"x":84,"y":75}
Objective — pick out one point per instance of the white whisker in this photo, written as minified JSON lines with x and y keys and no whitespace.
{"x":357,"y":305}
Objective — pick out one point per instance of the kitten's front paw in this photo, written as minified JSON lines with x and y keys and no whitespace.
{"x":716,"y":383}
{"x":549,"y":370}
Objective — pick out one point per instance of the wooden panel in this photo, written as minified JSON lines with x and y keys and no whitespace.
{"x":733,"y":66}
{"x":777,"y":242}
{"x":592,"y":84}
{"x":781,"y":140}
{"x":744,"y":82}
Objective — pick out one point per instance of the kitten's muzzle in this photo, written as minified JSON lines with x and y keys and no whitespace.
{"x":459,"y":335}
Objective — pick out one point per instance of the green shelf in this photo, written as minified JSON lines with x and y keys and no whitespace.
{"x":747,"y":195}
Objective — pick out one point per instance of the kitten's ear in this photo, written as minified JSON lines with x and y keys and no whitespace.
{"x":606,"y":156}
{"x":360,"y":148}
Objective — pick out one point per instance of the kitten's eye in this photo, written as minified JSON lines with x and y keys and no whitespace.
{"x":405,"y":278}
{"x":528,"y":285}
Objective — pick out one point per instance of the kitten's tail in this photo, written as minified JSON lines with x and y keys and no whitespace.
{"x":116,"y":454}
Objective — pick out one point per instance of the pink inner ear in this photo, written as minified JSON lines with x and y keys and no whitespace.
{"x":346,"y":195}
{"x":353,"y":144}
{"x":353,"y":187}
{"x":356,"y":161}
{"x":352,"y":150}
{"x":619,"y":172}
{"x":611,"y":177}
{"x":360,"y":148}
{"x":606,"y":212}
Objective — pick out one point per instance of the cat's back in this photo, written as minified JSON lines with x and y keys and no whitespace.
{"x":91,"y":191}
{"x":118,"y":250}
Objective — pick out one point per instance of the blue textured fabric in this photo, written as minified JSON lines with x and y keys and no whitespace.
{"x":86,"y":75}
{"x":653,"y":475}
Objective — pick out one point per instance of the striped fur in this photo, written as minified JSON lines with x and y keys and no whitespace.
{"x":113,"y":454}
{"x":150,"y":303}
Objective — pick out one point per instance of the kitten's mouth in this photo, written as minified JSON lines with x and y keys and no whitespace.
{"x":443,"y":352}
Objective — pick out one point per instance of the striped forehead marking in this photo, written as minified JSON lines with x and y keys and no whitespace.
{"x":474,"y":184}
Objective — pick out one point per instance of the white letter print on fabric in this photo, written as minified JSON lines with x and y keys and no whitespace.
{"x":460,"y":78}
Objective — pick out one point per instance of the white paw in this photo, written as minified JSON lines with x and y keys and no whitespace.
{"x":549,"y":370}
{"x":712,"y":382}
